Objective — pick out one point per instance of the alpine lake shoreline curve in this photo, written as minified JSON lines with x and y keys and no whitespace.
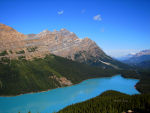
{"x":51,"y":100}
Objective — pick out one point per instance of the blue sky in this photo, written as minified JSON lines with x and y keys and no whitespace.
{"x":119,"y":27}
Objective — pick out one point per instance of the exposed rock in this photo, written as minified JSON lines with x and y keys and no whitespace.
{"x":62,"y":80}
{"x":62,"y":43}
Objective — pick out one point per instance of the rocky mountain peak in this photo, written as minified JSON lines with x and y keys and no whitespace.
{"x":62,"y":43}
{"x":63,"y":30}
{"x":86,"y":39}
{"x":54,"y":31}
{"x":45,"y":32}
{"x":5,"y":28}
{"x":10,"y":38}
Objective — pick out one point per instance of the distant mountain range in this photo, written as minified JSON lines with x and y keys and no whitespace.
{"x":141,"y":59}
{"x":124,"y":57}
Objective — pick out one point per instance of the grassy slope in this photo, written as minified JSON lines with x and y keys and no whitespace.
{"x":111,"y":102}
{"x":21,"y":76}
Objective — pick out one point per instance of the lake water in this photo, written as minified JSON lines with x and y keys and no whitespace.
{"x":56,"y":99}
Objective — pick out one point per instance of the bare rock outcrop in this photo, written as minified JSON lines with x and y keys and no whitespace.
{"x":15,"y":45}
{"x":63,"y":81}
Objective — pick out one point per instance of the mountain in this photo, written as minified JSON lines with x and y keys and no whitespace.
{"x":10,"y":38}
{"x":37,"y":62}
{"x":39,"y":74}
{"x":140,"y":59}
{"x":141,"y":62}
{"x":64,"y":43}
{"x":126,"y":57}
{"x":144,"y":64}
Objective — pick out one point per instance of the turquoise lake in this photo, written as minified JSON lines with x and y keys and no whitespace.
{"x":56,"y":99}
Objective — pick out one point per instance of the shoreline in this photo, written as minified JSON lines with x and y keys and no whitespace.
{"x":67,"y":86}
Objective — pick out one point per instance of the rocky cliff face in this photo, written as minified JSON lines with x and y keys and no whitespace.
{"x":15,"y":45}
{"x":10,"y":38}
{"x":62,"y":43}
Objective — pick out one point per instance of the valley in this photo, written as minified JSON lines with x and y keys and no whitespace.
{"x":74,"y":56}
{"x":51,"y":60}
{"x":59,"y":98}
{"x":33,"y":63}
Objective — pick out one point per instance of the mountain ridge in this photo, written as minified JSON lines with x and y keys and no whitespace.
{"x":138,"y":58}
{"x":37,"y":62}
{"x":61,"y":43}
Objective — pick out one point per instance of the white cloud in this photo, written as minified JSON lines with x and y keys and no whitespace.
{"x":120,"y":53}
{"x":60,"y":12}
{"x":97,"y":17}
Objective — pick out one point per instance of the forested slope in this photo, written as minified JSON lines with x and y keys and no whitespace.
{"x":112,"y":102}
{"x":22,"y":76}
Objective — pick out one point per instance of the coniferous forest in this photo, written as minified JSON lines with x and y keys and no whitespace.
{"x":112,"y":102}
{"x":33,"y":76}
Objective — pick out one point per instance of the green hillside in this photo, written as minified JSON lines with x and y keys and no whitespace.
{"x":22,"y":76}
{"x":112,"y":102}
